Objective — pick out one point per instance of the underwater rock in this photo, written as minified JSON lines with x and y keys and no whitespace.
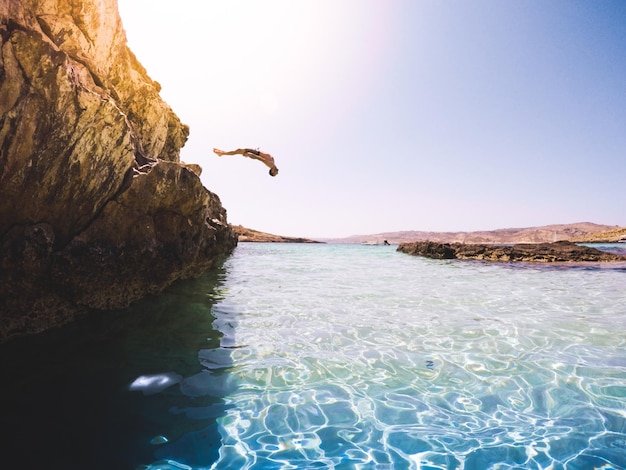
{"x":96,"y":209}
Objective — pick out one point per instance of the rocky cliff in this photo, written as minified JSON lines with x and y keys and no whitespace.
{"x":96,"y":209}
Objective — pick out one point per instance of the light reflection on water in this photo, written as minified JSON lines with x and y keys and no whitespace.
{"x":361,"y":357}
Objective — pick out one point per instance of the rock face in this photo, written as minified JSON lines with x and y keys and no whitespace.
{"x":562,"y":251}
{"x":96,"y":209}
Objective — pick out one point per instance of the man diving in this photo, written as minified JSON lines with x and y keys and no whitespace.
{"x":255,"y":155}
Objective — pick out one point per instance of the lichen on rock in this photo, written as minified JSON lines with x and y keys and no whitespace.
{"x":96,"y":209}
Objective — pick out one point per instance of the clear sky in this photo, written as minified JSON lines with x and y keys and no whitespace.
{"x":395,"y":115}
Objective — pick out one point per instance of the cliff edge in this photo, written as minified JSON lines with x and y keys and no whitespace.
{"x":96,"y":209}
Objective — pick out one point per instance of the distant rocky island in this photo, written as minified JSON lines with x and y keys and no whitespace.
{"x":557,"y":252}
{"x":248,"y":235}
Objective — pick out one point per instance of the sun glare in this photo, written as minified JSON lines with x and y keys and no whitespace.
{"x":244,"y":55}
{"x":235,"y":57}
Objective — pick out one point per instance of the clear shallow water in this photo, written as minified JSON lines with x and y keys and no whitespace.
{"x":358,"y":357}
{"x":361,"y":357}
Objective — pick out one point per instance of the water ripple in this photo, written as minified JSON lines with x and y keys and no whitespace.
{"x":336,"y":357}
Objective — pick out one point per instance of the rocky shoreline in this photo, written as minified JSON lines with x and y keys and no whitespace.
{"x":248,"y":235}
{"x":557,"y":252}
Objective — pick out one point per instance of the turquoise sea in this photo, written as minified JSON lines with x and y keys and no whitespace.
{"x":333,"y":357}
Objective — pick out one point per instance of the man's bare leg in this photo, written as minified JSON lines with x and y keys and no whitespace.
{"x":220,"y":153}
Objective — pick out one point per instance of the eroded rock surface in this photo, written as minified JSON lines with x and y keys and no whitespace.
{"x":557,"y":252}
{"x":96,"y":209}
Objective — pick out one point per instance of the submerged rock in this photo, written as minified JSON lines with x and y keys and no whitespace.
{"x":96,"y":209}
{"x":562,"y":251}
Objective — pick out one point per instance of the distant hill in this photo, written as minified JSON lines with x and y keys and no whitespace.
{"x":545,"y":234}
{"x":248,"y":235}
{"x":611,"y":236}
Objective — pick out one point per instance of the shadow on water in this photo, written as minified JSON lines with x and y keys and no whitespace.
{"x":119,"y":389}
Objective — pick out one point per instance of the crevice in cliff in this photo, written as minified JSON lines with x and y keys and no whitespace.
{"x":80,"y":24}
{"x":108,"y":94}
{"x":10,"y":117}
{"x":12,"y":26}
{"x":46,"y":30}
{"x":143,"y":161}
